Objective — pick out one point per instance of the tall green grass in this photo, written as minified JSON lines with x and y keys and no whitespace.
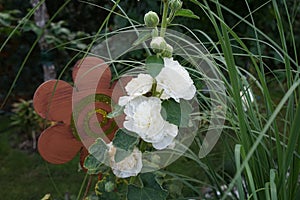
{"x":263,"y":140}
{"x":267,"y":149}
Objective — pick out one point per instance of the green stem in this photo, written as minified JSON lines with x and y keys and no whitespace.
{"x":164,"y":19}
{"x":82,"y":186}
{"x":153,"y":89}
{"x":132,"y":179}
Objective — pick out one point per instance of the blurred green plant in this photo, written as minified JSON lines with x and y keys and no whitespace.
{"x":26,"y":121}
{"x":8,"y":19}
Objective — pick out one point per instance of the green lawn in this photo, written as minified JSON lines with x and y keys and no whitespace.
{"x":26,"y":176}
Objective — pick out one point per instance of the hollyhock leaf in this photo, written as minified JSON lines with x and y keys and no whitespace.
{"x":93,"y":165}
{"x":125,"y":140}
{"x":99,"y":150}
{"x":186,"y":13}
{"x":110,"y":188}
{"x":171,"y":111}
{"x":121,"y":154}
{"x":186,"y":110}
{"x":150,"y":190}
{"x":154,"y":64}
{"x":177,"y":113}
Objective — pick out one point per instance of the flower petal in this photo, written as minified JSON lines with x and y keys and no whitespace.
{"x":139,"y":85}
{"x":53,"y":100}
{"x":175,"y":81}
{"x":57,"y":144}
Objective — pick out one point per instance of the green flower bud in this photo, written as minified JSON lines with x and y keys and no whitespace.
{"x":158,"y":44}
{"x":175,"y":4}
{"x":109,"y":186}
{"x":168,"y":51}
{"x":151,"y":19}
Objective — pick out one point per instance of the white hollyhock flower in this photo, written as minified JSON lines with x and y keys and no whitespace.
{"x":143,"y":117}
{"x":129,"y":166}
{"x":170,"y":131}
{"x":137,"y":87}
{"x":175,"y":81}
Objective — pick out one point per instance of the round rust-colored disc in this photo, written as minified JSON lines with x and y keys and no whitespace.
{"x":91,"y":72}
{"x":53,"y":100}
{"x":57,"y":144}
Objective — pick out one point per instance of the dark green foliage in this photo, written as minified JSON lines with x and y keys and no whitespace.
{"x":25,"y":119}
{"x":150,"y":190}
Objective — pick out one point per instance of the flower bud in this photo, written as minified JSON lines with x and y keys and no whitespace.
{"x":175,"y":4}
{"x":151,"y":19}
{"x":158,"y":44}
{"x":168,"y":51}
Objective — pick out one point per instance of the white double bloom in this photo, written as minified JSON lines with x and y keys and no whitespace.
{"x":175,"y":81}
{"x":143,"y":114}
{"x":129,"y":166}
{"x":144,"y":118}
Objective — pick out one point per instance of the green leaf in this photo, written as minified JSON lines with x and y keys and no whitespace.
{"x":125,"y":140}
{"x":99,"y":150}
{"x":154,"y":64}
{"x":186,"y":13}
{"x":93,"y":165}
{"x":177,"y":113}
{"x":143,"y":36}
{"x":110,"y":188}
{"x":150,"y":190}
{"x":117,"y":110}
{"x":121,"y":154}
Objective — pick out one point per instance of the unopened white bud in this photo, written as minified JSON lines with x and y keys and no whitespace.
{"x":158,"y":44}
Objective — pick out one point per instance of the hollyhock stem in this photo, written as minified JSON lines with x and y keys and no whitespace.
{"x":88,"y":187}
{"x":164,"y":18}
{"x":82,"y":186}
